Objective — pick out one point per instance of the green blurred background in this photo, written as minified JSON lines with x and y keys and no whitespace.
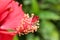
{"x":49,"y":15}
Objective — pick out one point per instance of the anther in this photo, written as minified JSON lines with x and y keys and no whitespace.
{"x":32,"y":15}
{"x":27,"y":15}
{"x":38,"y":24}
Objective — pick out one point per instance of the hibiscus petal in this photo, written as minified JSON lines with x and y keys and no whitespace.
{"x":2,"y":17}
{"x":6,"y":36}
{"x":3,"y":4}
{"x":14,"y":18}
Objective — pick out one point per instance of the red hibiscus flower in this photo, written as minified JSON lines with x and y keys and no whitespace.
{"x":13,"y":18}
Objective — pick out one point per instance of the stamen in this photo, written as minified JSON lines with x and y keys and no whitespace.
{"x":38,"y":24}
{"x":30,"y":26}
{"x":27,"y":15}
{"x":32,"y":15}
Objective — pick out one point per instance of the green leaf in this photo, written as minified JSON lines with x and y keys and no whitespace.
{"x":35,"y":7}
{"x":15,"y":38}
{"x":32,"y":37}
{"x":36,"y":38}
{"x":55,"y":7}
{"x":44,"y":6}
{"x":52,"y":1}
{"x":27,"y":2}
{"x":49,"y":15}
{"x":48,"y":30}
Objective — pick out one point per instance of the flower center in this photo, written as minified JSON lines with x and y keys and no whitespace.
{"x":28,"y":24}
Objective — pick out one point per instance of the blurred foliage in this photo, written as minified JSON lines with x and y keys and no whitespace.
{"x":49,"y":14}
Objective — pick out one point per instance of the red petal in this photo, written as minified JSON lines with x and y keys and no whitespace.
{"x":3,"y":16}
{"x":14,"y":18}
{"x":6,"y":36}
{"x":3,"y":4}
